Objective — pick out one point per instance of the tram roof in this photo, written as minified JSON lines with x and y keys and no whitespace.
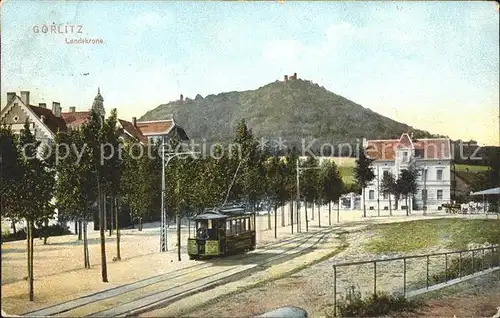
{"x":222,"y":213}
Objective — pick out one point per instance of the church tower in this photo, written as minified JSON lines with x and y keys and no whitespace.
{"x":98,"y":105}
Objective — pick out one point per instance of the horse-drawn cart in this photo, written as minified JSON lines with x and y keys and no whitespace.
{"x":452,"y":208}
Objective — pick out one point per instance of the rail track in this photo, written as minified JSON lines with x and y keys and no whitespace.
{"x":160,"y":290}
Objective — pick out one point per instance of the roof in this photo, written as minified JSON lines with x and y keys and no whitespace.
{"x":157,"y":127}
{"x":436,"y":148}
{"x":210,"y":215}
{"x":487,"y":192}
{"x":132,"y":130}
{"x":76,"y":119}
{"x":52,"y":122}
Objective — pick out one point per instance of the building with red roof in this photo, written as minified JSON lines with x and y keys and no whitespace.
{"x":431,"y":156}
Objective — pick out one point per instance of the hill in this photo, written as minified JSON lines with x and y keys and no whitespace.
{"x":292,"y":110}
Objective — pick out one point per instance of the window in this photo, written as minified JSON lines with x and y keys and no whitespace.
{"x":405,"y":156}
{"x":371,"y":195}
{"x":440,"y":194}
{"x":439,"y":174}
{"x":384,"y":196}
{"x":424,"y":195}
{"x":386,"y":173}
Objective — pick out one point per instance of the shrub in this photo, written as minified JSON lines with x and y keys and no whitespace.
{"x":354,"y":305}
{"x":466,"y":266}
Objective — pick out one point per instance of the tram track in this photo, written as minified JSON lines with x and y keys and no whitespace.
{"x":229,"y":273}
{"x":201,"y":284}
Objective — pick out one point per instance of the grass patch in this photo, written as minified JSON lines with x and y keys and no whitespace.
{"x":347,"y":174}
{"x":414,"y":235}
{"x":470,"y":168}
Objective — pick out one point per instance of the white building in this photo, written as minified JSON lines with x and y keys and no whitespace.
{"x":433,"y":160}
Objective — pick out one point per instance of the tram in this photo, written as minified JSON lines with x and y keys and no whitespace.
{"x":220,"y":232}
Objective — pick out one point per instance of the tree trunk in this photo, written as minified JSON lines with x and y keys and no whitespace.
{"x":178,"y":219}
{"x":330,"y":213}
{"x":307,"y":219}
{"x":291,"y":215}
{"x":298,"y":217}
{"x":85,"y":246}
{"x":104,"y":268}
{"x":319,"y":215}
{"x":105,"y":214}
{"x":364,"y":203}
{"x":118,"y":258}
{"x":390,"y":205}
{"x":111,"y":216}
{"x":45,"y":232}
{"x":283,"y":215}
{"x":79,"y":230}
{"x":269,"y":219}
{"x":406,"y":202}
{"x":314,"y":203}
{"x":275,"y":222}
{"x":76,"y":227}
{"x":140,"y":224}
{"x":30,"y":260}
{"x":338,"y":211}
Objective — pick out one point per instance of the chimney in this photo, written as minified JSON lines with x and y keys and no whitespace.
{"x":42,"y":105}
{"x":286,"y":78}
{"x":25,"y":97}
{"x":72,"y":109}
{"x":182,"y":97}
{"x":43,"y":119}
{"x":11,"y":96}
{"x":134,"y":121}
{"x":295,"y":75}
{"x":56,"y":109}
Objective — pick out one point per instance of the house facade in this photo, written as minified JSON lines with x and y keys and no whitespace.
{"x":46,"y":122}
{"x":432,"y":158}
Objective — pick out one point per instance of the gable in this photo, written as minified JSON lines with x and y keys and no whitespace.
{"x":14,"y":115}
{"x":17,"y":108}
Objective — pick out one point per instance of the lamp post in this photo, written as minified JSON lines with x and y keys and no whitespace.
{"x":299,"y":169}
{"x":163,"y":231}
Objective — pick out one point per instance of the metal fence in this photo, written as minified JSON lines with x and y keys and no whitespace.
{"x":414,"y":274}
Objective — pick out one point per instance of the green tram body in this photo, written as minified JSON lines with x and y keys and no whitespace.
{"x":221,"y":232}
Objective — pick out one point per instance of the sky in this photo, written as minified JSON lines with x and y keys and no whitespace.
{"x":432,"y":65}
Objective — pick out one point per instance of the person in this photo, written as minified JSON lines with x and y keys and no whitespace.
{"x":202,"y":231}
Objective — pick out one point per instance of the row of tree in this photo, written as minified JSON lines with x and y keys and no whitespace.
{"x":405,"y":186}
{"x":38,"y":178}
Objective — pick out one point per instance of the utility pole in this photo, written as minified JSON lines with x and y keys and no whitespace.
{"x":163,"y":231}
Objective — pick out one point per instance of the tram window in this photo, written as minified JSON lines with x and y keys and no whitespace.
{"x":233,"y":227}
{"x":247,"y":224}
{"x":209,"y":224}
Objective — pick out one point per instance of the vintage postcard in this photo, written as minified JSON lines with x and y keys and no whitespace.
{"x":250,"y":158}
